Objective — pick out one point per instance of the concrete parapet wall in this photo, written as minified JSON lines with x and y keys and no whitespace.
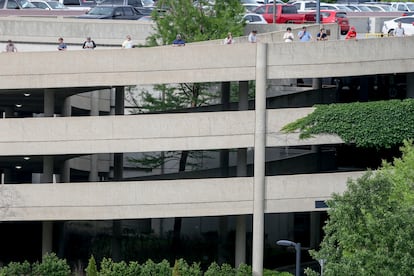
{"x":74,"y":31}
{"x":165,"y":198}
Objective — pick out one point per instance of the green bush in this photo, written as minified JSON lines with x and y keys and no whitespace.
{"x":51,"y":265}
{"x":182,"y":268}
{"x":16,"y":269}
{"x":91,"y":269}
{"x":244,"y":270}
{"x":149,"y":268}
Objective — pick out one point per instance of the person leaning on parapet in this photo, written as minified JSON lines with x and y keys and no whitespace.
{"x":62,"y":45}
{"x":352,"y":34}
{"x":10,"y":47}
{"x":399,"y":31}
{"x":89,"y":44}
{"x":322,"y":35}
{"x":304,"y":35}
{"x":128,"y":44}
{"x":228,"y":39}
{"x":179,"y":41}
{"x":288,"y":35}
{"x":252,"y":38}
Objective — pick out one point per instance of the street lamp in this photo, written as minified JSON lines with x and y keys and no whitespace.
{"x":297,"y":249}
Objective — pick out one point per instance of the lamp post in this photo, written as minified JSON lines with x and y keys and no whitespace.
{"x":297,"y":249}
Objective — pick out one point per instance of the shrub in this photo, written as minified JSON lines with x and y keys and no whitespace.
{"x":51,"y":265}
{"x":16,"y":269}
{"x":181,"y":268}
{"x":91,"y":269}
{"x":244,"y":270}
{"x":149,"y":268}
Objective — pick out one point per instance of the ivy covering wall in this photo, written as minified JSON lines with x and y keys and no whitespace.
{"x":381,"y":124}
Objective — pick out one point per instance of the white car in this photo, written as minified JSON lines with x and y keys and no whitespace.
{"x":403,"y":6}
{"x":407,"y":22}
{"x":254,"y":18}
{"x":48,"y":5}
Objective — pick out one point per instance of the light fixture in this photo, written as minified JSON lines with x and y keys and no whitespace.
{"x":26,"y":158}
{"x":18,"y":167}
{"x":26,"y":94}
{"x":18,"y":105}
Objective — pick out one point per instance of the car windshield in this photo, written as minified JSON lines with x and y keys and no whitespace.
{"x":100,"y":11}
{"x":25,"y":4}
{"x":410,"y":6}
{"x":56,"y":5}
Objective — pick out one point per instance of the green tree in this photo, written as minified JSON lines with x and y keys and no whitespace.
{"x":370,"y":226}
{"x":196,"y":22}
{"x":91,"y":269}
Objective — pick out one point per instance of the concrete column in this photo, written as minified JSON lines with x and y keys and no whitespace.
{"x":93,"y":173}
{"x":315,"y":229}
{"x":120,"y":100}
{"x":240,"y":243}
{"x":94,"y":103}
{"x":259,"y":160}
{"x":316,"y":83}
{"x":116,"y":241}
{"x":65,"y":172}
{"x":410,"y":85}
{"x":225,"y":95}
{"x":118,"y":175}
{"x":48,"y":102}
{"x":47,"y":235}
{"x":47,"y":176}
{"x":67,"y":107}
{"x":47,"y":226}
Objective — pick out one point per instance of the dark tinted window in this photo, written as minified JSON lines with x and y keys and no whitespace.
{"x":11,"y":4}
{"x":71,"y":2}
{"x":128,"y":11}
{"x":1,"y":4}
{"x":341,"y":14}
{"x":289,"y":9}
{"x":407,"y":20}
{"x":135,"y":3}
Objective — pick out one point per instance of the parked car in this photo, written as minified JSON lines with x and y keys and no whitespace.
{"x":407,"y":22}
{"x":303,"y":6}
{"x":16,"y":4}
{"x":84,"y":5}
{"x":48,"y":5}
{"x":358,"y":8}
{"x":403,"y":6}
{"x":334,"y":7}
{"x":338,"y":17}
{"x":113,"y":12}
{"x":380,"y":8}
{"x":254,"y":18}
{"x":285,"y":13}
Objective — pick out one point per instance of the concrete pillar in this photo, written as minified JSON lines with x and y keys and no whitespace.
{"x":47,"y":235}
{"x":93,"y":173}
{"x":47,"y":226}
{"x":94,"y":103}
{"x":118,"y":175}
{"x":316,"y":83}
{"x":410,"y":85}
{"x":120,"y":100}
{"x":225,"y":95}
{"x":48,"y":102}
{"x":315,"y":229}
{"x":65,"y":173}
{"x":259,"y":160}
{"x":67,"y":107}
{"x":240,"y":243}
{"x":116,"y":241}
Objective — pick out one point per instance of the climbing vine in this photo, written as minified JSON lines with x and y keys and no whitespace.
{"x":381,"y":124}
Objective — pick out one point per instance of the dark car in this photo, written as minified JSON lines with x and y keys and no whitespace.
{"x":113,"y":12}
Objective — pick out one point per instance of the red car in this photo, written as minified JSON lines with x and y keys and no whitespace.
{"x":338,"y":17}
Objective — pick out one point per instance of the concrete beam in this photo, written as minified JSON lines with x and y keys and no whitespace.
{"x":154,"y":199}
{"x":145,"y":133}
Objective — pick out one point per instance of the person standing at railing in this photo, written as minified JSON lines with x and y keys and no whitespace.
{"x":352,"y":34}
{"x":399,"y":31}
{"x":10,"y":47}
